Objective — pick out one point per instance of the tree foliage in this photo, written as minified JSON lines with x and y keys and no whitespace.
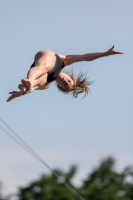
{"x":48,"y":187}
{"x":103,"y":183}
{"x":106,"y":183}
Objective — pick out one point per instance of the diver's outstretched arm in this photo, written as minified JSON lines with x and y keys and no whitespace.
{"x":70,"y":59}
{"x":93,"y":56}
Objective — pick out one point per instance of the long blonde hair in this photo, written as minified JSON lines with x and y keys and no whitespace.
{"x":81,"y":85}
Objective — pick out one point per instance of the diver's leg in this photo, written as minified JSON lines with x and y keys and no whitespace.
{"x":38,"y":82}
{"x":44,"y":64}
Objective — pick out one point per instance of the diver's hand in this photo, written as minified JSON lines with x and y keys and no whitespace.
{"x":14,"y":94}
{"x":112,"y":51}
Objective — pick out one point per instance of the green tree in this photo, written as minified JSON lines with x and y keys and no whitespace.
{"x":129,"y":176}
{"x":105,"y":183}
{"x":48,"y":187}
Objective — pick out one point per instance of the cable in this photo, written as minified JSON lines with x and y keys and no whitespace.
{"x":25,"y":146}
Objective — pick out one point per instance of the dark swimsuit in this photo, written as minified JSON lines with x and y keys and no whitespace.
{"x":52,"y":75}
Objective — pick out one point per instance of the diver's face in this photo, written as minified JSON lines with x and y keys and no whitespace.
{"x":64,"y":81}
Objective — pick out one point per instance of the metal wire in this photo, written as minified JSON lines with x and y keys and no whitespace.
{"x":25,"y":146}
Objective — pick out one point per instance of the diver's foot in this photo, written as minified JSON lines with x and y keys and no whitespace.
{"x":27,"y":83}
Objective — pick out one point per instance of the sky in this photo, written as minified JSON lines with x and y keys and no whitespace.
{"x":62,"y":130}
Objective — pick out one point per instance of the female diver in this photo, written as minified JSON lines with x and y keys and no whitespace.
{"x":47,"y":67}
